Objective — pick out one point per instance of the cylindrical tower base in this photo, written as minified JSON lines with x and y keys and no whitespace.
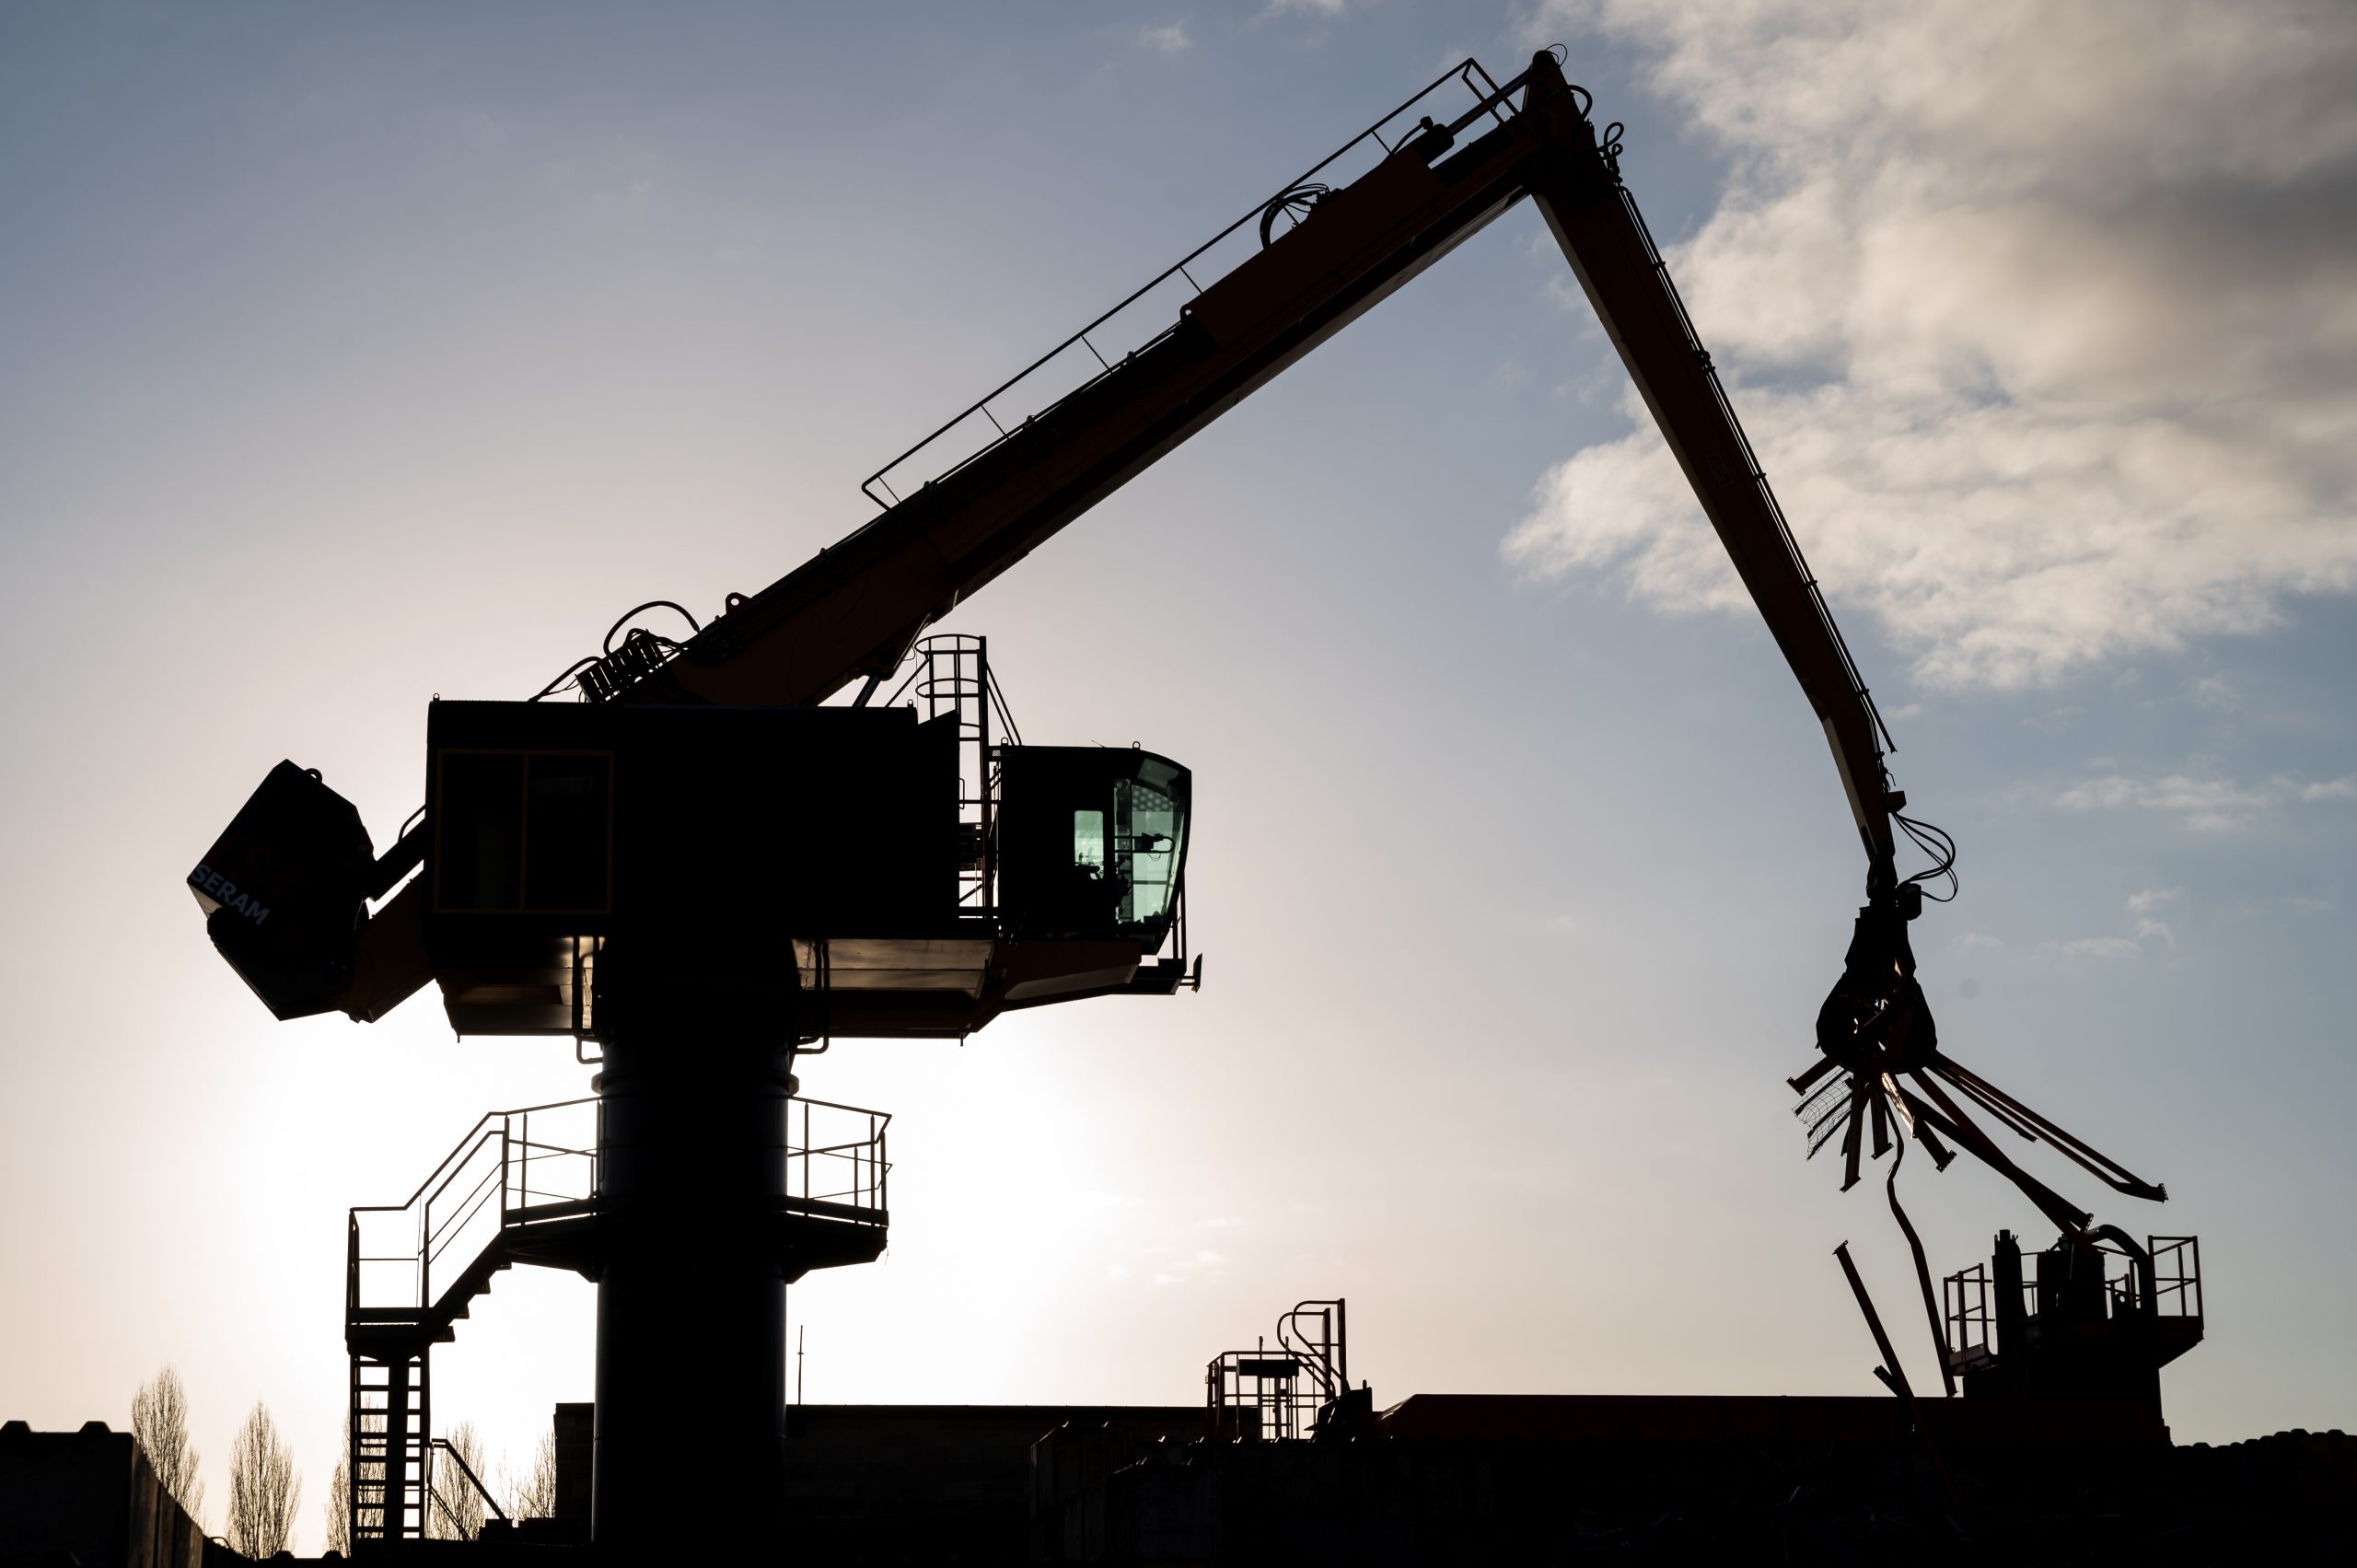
{"x":692,"y":1293}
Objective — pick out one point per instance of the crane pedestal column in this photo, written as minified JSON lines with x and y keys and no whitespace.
{"x":691,"y":1284}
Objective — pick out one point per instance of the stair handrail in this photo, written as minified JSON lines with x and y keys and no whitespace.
{"x":510,"y":1134}
{"x":444,"y":1445}
{"x":434,"y":1238}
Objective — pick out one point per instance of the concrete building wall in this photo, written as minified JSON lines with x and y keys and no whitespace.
{"x":90,"y":1497}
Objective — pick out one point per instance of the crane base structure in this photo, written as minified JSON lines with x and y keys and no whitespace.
{"x":693,"y":1188}
{"x":701,"y":893}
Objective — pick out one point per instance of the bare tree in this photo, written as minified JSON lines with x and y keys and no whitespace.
{"x":454,"y":1511}
{"x":263,"y":1487}
{"x":532,"y":1494}
{"x":159,"y":1422}
{"x":340,"y":1496}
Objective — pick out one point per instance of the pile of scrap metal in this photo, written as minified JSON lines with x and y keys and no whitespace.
{"x":1741,"y":1480}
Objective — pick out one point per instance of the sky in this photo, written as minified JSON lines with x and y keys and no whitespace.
{"x":359,"y":354}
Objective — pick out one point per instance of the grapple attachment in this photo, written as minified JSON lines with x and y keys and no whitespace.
{"x":1882,"y":1070}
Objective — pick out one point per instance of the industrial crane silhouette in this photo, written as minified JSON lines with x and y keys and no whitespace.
{"x":704,"y":868}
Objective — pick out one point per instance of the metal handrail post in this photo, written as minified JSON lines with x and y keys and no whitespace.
{"x":444,"y":1445}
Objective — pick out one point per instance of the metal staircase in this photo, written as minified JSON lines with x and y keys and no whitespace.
{"x":522,"y":1187}
{"x":951,"y":675}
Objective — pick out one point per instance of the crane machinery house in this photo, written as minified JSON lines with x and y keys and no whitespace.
{"x":819,"y":850}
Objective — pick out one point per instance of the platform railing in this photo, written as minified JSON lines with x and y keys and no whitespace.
{"x":1153,"y":311}
{"x":2177,"y":1275}
{"x":836,"y":1155}
{"x":1970,"y":1308}
{"x":517,"y":1168}
{"x":1274,"y":1393}
{"x":1969,"y":1296}
{"x":950,"y":675}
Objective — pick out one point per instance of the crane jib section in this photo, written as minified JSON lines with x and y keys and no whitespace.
{"x":856,"y":607}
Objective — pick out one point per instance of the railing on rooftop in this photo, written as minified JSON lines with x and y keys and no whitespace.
{"x":1153,"y":311}
{"x":1274,"y":1395}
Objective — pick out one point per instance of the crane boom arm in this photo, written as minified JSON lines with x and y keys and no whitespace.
{"x":1605,"y":238}
{"x":857,"y":606}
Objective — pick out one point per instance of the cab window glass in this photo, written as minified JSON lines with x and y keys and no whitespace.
{"x":1145,"y":850}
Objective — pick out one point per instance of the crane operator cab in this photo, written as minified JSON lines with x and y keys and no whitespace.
{"x":1091,"y":843}
{"x":833,"y":858}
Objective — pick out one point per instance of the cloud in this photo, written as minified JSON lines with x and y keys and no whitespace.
{"x":2214,"y":693}
{"x":1172,"y":1251}
{"x":1308,"y":8}
{"x":2206,"y":804}
{"x":2044,"y":319}
{"x":1170,"y":39}
{"x":1180,"y":1270}
{"x":2112,"y":947}
{"x":2140,"y":906}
